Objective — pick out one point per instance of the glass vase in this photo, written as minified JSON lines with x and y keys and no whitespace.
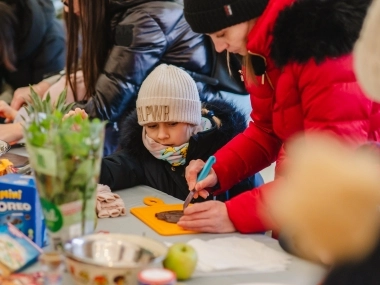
{"x":66,"y":166}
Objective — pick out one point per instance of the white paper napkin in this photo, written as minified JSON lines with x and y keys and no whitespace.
{"x":237,"y":253}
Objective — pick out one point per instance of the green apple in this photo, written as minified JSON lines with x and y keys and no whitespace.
{"x":181,"y":259}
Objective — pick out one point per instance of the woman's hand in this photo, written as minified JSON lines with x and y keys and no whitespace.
{"x":77,"y":111}
{"x":209,"y":216}
{"x":11,"y":133}
{"x":192,"y":170}
{"x":22,"y":95}
{"x":7,"y":112}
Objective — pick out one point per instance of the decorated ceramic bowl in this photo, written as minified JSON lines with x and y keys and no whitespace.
{"x":4,"y":147}
{"x":111,"y":258}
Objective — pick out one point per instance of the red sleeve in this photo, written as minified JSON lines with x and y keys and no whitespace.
{"x":249,"y":212}
{"x":245,"y":155}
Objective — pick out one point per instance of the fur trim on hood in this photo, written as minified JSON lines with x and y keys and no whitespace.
{"x":317,"y":29}
{"x":233,"y":122}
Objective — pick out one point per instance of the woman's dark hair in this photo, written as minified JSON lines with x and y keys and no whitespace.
{"x":87,"y":42}
{"x":8,"y":24}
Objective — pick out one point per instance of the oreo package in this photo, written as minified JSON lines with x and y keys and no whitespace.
{"x":20,"y":206}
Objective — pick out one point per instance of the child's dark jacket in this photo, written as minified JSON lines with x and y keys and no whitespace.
{"x":134,"y":164}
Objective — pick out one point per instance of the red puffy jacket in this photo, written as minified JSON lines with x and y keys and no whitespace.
{"x":307,"y":84}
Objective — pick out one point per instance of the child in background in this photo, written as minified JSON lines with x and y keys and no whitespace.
{"x":170,"y":127}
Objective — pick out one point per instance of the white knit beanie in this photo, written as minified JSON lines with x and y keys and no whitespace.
{"x":168,"y":94}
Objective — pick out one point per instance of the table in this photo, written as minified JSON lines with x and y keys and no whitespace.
{"x":19,"y":150}
{"x":299,"y":272}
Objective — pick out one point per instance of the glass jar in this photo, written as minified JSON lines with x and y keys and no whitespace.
{"x":52,"y":266}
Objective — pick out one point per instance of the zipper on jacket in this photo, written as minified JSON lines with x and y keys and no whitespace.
{"x":265,"y":74}
{"x":115,"y":127}
{"x":269,"y":81}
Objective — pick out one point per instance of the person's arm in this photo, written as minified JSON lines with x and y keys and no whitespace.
{"x":140,"y":44}
{"x":120,"y":171}
{"x":245,"y":213}
{"x":245,"y":155}
{"x":249,"y":211}
{"x":11,"y":132}
{"x":7,"y":112}
{"x":22,"y":95}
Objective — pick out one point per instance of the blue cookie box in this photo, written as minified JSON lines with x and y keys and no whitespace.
{"x":20,"y":206}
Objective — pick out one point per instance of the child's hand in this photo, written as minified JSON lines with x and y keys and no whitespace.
{"x":77,"y":111}
{"x":7,"y":112}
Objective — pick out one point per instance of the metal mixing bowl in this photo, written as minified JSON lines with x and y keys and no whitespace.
{"x":110,"y":256}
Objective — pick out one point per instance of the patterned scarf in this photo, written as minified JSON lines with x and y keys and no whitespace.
{"x":175,"y":155}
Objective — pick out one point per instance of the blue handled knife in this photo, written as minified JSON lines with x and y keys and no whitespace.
{"x":202,"y":175}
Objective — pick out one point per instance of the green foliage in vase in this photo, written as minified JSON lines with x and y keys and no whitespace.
{"x":39,"y":105}
{"x":65,"y":153}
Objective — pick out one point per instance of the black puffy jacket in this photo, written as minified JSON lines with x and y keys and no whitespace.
{"x":134,"y":164}
{"x":146,"y":34}
{"x":40,"y":46}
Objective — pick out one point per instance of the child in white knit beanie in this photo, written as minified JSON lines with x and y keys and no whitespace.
{"x":169,"y":109}
{"x":169,"y":128}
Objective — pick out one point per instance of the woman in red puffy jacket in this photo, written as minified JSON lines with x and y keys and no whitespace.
{"x":299,"y":73}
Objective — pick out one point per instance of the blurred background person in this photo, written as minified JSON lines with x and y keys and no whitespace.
{"x":122,"y":42}
{"x":132,"y":37}
{"x":32,"y":45}
{"x":13,"y":132}
{"x":328,"y":209}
